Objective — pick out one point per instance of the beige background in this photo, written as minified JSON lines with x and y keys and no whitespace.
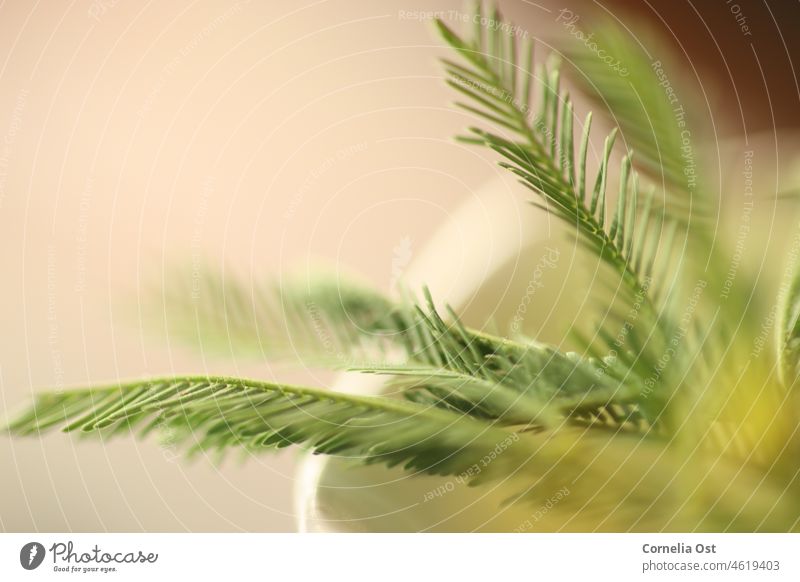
{"x":139,"y":135}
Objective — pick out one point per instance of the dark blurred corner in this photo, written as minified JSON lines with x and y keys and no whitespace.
{"x":747,"y":48}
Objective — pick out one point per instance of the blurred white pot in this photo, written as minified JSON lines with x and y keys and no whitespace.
{"x":505,"y":242}
{"x":501,"y":238}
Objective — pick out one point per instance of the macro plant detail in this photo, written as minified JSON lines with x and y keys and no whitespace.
{"x":657,"y":415}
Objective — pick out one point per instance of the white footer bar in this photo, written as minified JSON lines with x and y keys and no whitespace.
{"x":399,"y":557}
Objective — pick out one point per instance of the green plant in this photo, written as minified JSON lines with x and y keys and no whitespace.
{"x":706,"y":442}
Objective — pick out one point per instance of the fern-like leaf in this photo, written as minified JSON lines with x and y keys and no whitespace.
{"x":515,"y":382}
{"x":215,"y":414}
{"x":324,"y":319}
{"x":348,"y":326}
{"x":634,"y":96}
{"x":789,"y":346}
{"x":540,"y":150}
{"x":633,"y":235}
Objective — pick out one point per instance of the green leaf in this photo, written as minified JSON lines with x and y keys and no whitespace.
{"x":541,"y":150}
{"x":516,"y":382}
{"x":632,"y":93}
{"x":367,"y":332}
{"x":634,"y":240}
{"x":789,"y":348}
{"x":219,"y":413}
{"x":323,"y":319}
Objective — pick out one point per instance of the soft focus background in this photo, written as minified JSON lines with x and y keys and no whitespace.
{"x":265,"y":136}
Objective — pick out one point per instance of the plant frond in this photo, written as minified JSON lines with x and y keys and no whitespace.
{"x":215,"y":414}
{"x":324,"y":319}
{"x":789,"y":345}
{"x":631,"y":233}
{"x":540,"y":150}
{"x":515,"y":382}
{"x":648,"y":105}
{"x":517,"y":393}
{"x":351,"y":327}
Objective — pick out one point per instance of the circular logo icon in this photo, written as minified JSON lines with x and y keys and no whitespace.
{"x":31,"y":555}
